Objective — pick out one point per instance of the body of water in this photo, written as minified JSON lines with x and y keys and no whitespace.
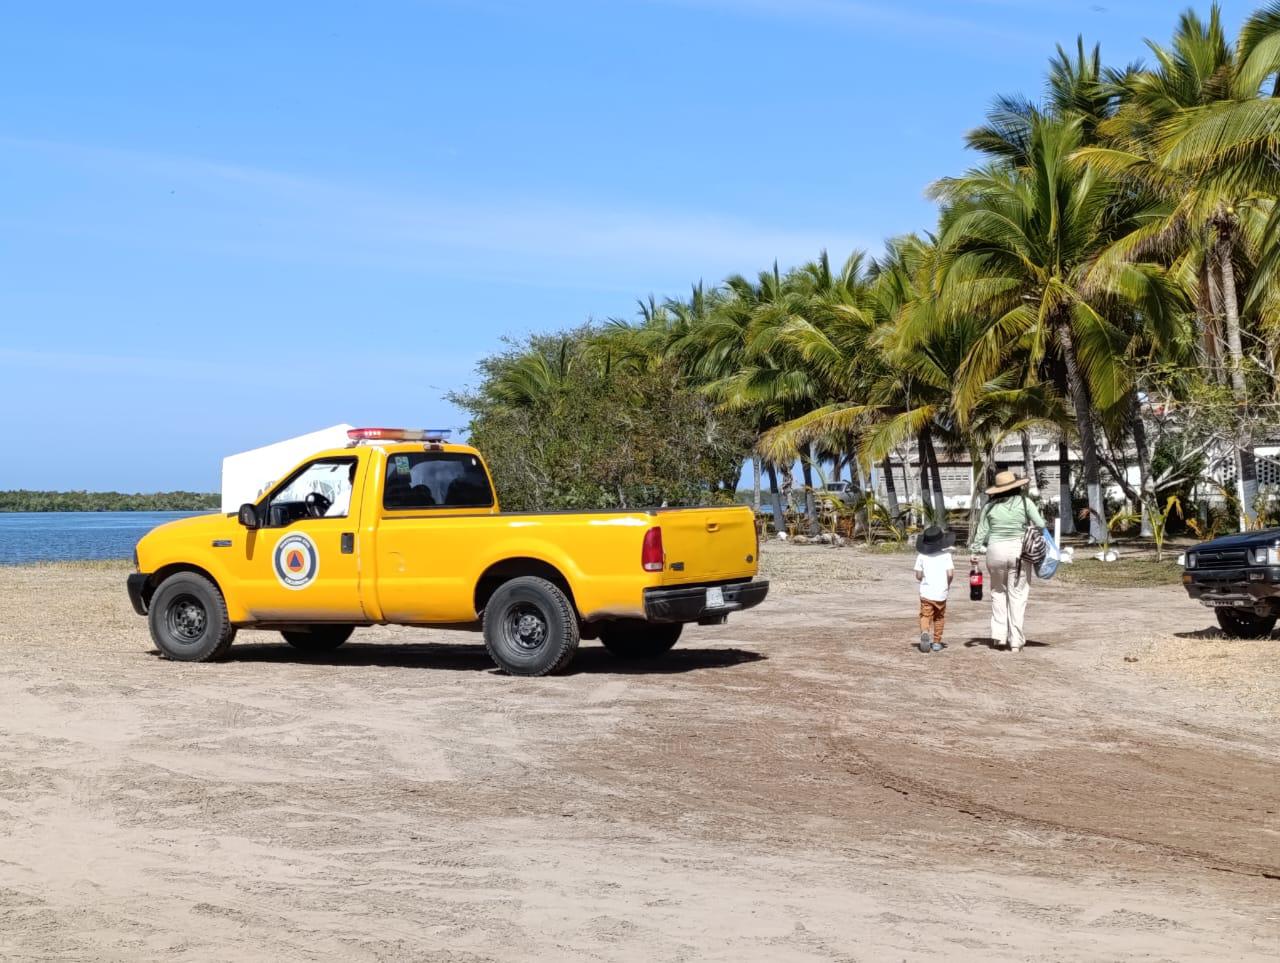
{"x":75,"y":536}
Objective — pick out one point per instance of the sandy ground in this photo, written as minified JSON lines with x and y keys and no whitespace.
{"x":797,"y":785}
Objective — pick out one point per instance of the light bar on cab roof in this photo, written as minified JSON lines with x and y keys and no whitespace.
{"x":398,"y":434}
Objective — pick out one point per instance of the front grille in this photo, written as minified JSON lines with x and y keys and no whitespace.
{"x":1222,"y":558}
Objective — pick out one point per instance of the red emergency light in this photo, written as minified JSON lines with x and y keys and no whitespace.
{"x":399,"y":434}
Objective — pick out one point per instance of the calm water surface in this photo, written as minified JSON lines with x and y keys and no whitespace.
{"x":73,"y":536}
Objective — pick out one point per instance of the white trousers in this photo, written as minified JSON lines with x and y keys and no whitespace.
{"x":1009,"y":591}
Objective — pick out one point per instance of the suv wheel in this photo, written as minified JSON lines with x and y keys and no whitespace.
{"x":530,"y":627}
{"x":188,"y":619}
{"x":1245,"y":625}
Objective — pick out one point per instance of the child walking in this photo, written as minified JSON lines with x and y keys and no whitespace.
{"x":934,"y":572}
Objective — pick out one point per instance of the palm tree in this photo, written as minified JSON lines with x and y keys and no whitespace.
{"x":871,"y":389}
{"x":532,"y":379}
{"x":1019,"y":250}
{"x":1167,"y":140}
{"x":1079,"y":88}
{"x":711,"y":338}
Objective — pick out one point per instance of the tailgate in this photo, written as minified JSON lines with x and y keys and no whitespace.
{"x":708,"y":544}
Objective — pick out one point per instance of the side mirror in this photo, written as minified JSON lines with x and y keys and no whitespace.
{"x":249,"y":516}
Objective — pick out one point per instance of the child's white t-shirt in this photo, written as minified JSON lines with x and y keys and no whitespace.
{"x":936,"y":568}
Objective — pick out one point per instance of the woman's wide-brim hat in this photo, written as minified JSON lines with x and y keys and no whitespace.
{"x":1006,"y":481}
{"x":934,"y":539}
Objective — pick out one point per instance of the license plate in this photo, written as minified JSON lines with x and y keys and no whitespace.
{"x":1228,"y":603}
{"x":715,"y":598}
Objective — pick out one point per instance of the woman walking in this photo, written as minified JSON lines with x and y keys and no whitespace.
{"x":999,"y":534}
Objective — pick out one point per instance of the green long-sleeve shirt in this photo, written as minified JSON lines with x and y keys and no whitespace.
{"x":1004,"y":518}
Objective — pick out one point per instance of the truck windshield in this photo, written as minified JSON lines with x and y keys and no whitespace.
{"x":436,"y":480}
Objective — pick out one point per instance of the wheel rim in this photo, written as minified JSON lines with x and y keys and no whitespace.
{"x":186,"y":619}
{"x":525,"y":626}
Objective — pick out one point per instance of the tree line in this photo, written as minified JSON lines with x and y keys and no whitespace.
{"x":23,"y":500}
{"x":1106,"y":275}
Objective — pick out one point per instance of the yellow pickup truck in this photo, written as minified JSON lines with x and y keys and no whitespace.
{"x":400,"y":527}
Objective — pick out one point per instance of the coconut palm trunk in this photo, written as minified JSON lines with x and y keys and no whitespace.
{"x":908,"y":492}
{"x":1029,"y":464}
{"x":810,"y":502}
{"x":864,"y":512}
{"x":1246,"y":466}
{"x":922,"y":461}
{"x":935,"y":481}
{"x":1065,"y":511}
{"x":1088,"y":434}
{"x":1145,"y":486}
{"x":975,"y":490}
{"x":755,"y":483}
{"x":1231,"y":312}
{"x":890,"y":488}
{"x":775,"y":498}
{"x":1210,"y":313}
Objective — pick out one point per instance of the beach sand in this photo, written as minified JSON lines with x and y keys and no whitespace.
{"x":799,"y":784}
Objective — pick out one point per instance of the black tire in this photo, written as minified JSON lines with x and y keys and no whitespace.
{"x":1245,"y":625}
{"x":188,"y":619}
{"x":530,"y":627}
{"x":637,"y":639}
{"x":320,"y":638}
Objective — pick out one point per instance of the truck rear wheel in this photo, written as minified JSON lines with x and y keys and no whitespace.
{"x":321,"y":638}
{"x":188,"y":619}
{"x":637,"y":639}
{"x":1245,"y":625}
{"x":530,"y":627}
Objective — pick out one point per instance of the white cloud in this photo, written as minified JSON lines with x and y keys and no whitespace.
{"x":243,"y":210}
{"x":217,"y":364}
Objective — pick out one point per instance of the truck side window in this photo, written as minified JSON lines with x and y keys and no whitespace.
{"x":321,"y":489}
{"x":436,"y":480}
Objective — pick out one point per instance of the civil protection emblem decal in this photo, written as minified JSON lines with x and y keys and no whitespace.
{"x":297,"y":563}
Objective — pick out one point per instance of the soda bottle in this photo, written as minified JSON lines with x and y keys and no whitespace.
{"x":975,"y":582}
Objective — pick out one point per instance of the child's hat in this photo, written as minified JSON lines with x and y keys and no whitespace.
{"x":934,"y":539}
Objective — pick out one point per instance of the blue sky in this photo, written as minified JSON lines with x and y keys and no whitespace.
{"x":224,"y":224}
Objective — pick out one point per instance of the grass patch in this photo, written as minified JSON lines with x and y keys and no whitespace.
{"x":1125,"y":573}
{"x":886,"y":548}
{"x":87,"y":564}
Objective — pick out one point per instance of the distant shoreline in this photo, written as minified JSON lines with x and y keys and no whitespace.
{"x":25,"y":500}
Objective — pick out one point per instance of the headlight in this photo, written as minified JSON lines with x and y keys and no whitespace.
{"x":1182,"y":559}
{"x":1191,"y":559}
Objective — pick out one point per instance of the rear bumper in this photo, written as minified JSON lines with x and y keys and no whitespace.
{"x":688,"y":603}
{"x":137,"y":584}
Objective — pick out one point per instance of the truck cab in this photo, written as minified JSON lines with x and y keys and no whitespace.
{"x":402,"y":527}
{"x":1238,"y":576}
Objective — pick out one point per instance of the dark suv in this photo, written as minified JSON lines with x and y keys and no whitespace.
{"x":1238,"y":576}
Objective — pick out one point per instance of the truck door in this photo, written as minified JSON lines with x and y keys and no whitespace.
{"x":303,"y":562}
{"x":422,"y":546}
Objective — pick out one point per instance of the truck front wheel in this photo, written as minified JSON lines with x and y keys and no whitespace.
{"x":530,"y":627}
{"x":188,"y":619}
{"x":320,"y":638}
{"x":637,"y":639}
{"x":1245,"y":625}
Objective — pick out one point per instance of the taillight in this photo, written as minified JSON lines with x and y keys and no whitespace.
{"x":651,"y":555}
